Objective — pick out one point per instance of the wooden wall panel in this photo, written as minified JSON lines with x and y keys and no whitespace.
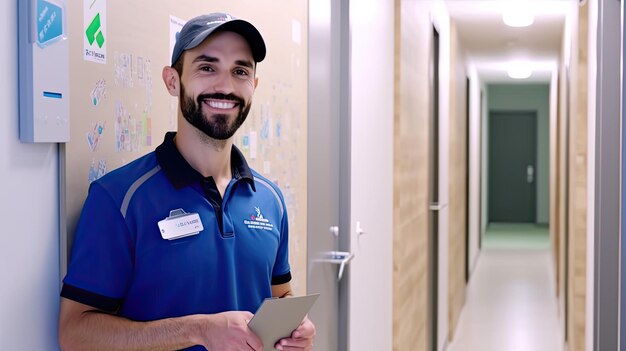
{"x":570,"y":200}
{"x":410,"y":264}
{"x":413,"y":50}
{"x":578,"y":190}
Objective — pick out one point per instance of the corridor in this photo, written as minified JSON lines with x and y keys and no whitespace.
{"x":510,"y":301}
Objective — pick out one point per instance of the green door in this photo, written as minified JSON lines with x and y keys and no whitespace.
{"x":512,"y":166}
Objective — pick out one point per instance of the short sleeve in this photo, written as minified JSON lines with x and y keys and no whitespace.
{"x":282,"y":272}
{"x":101,"y":262}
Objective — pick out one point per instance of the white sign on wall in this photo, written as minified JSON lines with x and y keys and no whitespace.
{"x":176,"y":25}
{"x":95,"y":30}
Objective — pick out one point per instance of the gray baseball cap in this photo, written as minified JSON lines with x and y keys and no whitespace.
{"x":197,"y":29}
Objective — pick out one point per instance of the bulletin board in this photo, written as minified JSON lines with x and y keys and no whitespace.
{"x":120,"y":109}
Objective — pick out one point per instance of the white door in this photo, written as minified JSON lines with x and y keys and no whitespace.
{"x":371,"y":212}
{"x":350,"y":172}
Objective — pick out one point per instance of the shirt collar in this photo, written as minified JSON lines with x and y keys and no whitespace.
{"x":181,"y":174}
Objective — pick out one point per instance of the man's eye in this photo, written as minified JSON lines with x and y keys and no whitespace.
{"x":241,"y":72}
{"x":206,"y":68}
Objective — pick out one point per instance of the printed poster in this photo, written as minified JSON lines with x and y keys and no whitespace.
{"x":176,"y":25}
{"x":95,"y":30}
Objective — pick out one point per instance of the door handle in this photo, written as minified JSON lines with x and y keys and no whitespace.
{"x":342,"y":258}
{"x":435,"y":206}
{"x":530,"y":174}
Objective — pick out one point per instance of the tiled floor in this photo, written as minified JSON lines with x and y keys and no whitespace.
{"x":510,"y":301}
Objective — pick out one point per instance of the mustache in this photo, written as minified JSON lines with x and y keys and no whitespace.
{"x":219,"y":96}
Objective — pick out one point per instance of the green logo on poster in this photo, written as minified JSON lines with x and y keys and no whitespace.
{"x":94,"y":33}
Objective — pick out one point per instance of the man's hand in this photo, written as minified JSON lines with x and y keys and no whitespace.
{"x":229,"y":331}
{"x":81,"y":327}
{"x":301,"y":339}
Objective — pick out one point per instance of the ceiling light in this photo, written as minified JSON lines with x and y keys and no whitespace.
{"x":519,"y":71}
{"x":518,"y":15}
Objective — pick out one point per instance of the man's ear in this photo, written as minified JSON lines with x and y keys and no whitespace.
{"x":171,"y":80}
{"x":256,"y":82}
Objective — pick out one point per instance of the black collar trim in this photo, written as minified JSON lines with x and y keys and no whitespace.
{"x":181,"y":174}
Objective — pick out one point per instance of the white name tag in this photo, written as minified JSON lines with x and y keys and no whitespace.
{"x":180,"y":224}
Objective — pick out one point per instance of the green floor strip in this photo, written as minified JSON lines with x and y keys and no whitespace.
{"x":523,"y":236}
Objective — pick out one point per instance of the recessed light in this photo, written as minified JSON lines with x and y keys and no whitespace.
{"x":519,"y":71}
{"x":518,"y":15}
{"x":518,"y":20}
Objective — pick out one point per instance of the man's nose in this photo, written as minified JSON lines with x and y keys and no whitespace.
{"x":223,"y":83}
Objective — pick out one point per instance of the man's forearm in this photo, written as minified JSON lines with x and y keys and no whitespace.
{"x":100,"y":331}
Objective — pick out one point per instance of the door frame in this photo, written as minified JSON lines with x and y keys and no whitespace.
{"x":605,"y":170}
{"x":566,"y":204}
{"x":482,"y":165}
{"x":622,"y":268}
{"x":345,"y":151}
{"x":433,"y":192}
{"x":467,"y":177}
{"x":329,"y":123}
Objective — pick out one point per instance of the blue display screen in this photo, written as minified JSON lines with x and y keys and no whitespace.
{"x":49,"y":94}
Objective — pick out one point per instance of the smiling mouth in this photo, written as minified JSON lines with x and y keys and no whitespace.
{"x":221,"y":105}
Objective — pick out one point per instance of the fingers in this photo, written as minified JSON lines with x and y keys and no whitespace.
{"x":289,"y":348}
{"x":301,"y":339}
{"x":296,"y":342}
{"x":306,"y":330}
{"x":293,"y":344}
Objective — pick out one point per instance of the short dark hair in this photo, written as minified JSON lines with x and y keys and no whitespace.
{"x":178,"y":65}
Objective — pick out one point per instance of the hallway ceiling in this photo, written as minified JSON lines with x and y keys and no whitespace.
{"x":492,"y":46}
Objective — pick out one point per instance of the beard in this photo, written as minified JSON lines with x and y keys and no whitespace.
{"x":217,"y":126}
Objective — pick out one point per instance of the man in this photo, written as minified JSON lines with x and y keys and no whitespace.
{"x":176,"y":249}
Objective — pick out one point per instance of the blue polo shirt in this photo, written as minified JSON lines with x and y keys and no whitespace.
{"x":120,"y":262}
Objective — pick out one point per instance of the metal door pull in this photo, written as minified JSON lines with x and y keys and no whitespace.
{"x":530,"y":174}
{"x":435,"y":206}
{"x":342,"y":258}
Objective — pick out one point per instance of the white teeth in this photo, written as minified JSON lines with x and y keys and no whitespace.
{"x":221,"y":104}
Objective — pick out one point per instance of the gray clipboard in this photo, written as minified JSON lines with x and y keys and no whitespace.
{"x":277,"y":318}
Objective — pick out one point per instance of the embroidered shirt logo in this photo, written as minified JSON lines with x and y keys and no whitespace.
{"x":258,"y":221}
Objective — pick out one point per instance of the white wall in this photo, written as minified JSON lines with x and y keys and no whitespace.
{"x":29,"y":244}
